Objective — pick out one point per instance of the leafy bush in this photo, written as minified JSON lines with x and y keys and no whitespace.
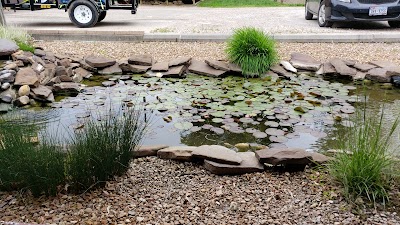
{"x":104,"y":148}
{"x":252,"y":50}
{"x":367,"y":167}
{"x":19,"y":36}
{"x":24,"y":165}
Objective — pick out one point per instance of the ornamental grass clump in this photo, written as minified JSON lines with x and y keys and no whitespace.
{"x":365,"y":167}
{"x":19,"y":36}
{"x":104,"y":148}
{"x":26,"y":165}
{"x":252,"y":50}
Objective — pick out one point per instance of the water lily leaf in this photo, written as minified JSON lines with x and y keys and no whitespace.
{"x":260,"y":134}
{"x":217,"y":120}
{"x":217,"y":130}
{"x":183,"y":125}
{"x":274,"y":132}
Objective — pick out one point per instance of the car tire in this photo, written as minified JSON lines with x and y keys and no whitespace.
{"x":83,"y":13}
{"x":102,"y":15}
{"x":322,"y":21}
{"x":394,"y":24}
{"x":308,"y":15}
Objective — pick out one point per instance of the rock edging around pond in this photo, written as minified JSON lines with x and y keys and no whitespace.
{"x":221,"y":160}
{"x":36,"y":78}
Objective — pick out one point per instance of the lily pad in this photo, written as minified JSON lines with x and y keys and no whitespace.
{"x":274,"y":132}
{"x":183,"y":126}
{"x":217,"y":130}
{"x":260,"y":134}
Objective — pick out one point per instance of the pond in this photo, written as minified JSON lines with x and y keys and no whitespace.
{"x":304,"y":111}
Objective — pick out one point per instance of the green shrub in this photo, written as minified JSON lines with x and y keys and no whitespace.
{"x":252,"y":50}
{"x":26,"y":165}
{"x":104,"y":148}
{"x":368,"y":169}
{"x":19,"y":36}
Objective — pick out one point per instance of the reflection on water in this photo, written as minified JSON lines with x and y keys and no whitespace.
{"x":163,"y":98}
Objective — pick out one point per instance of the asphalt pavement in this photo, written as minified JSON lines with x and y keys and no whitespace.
{"x":192,"y":23}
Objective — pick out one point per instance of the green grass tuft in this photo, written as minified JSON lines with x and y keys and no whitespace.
{"x":365,"y":172}
{"x":19,"y":36}
{"x":252,"y":50}
{"x":241,"y":3}
{"x":104,"y":148}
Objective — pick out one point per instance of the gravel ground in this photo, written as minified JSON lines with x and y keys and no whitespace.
{"x":362,"y":52}
{"x":156,"y":191}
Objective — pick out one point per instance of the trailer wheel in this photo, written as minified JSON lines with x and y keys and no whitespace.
{"x":102,"y":15}
{"x":83,"y":13}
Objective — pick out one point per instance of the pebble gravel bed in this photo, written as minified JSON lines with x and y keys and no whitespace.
{"x":156,"y":191}
{"x":362,"y":52}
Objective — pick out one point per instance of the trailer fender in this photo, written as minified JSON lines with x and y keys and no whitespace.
{"x":92,"y":1}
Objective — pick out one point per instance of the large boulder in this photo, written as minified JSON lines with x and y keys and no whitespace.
{"x":99,"y":61}
{"x":180,"y":153}
{"x":202,"y":68}
{"x":217,"y":153}
{"x":26,"y":76}
{"x":249,"y":164}
{"x":7,"y":47}
{"x":304,"y":62}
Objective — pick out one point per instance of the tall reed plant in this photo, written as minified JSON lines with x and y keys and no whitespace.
{"x":104,"y":148}
{"x":25,"y":165}
{"x":366,"y":166}
{"x":252,"y":50}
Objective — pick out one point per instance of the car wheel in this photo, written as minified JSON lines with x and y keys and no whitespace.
{"x":394,"y":24}
{"x":322,"y":21}
{"x":83,"y":13}
{"x":102,"y":15}
{"x":308,"y":15}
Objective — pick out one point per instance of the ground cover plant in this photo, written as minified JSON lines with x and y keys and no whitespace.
{"x":238,"y":3}
{"x":252,"y":50}
{"x":19,"y":36}
{"x":365,"y":167}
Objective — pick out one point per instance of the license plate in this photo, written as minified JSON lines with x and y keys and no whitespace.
{"x":378,"y":11}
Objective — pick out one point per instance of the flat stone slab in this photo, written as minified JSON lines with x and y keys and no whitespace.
{"x":249,"y":164}
{"x":137,"y":68}
{"x":111,"y":70}
{"x":160,"y":67}
{"x":319,"y":159}
{"x":383,"y":64}
{"x":180,"y":61}
{"x":342,"y":68}
{"x":180,"y":153}
{"x":287,"y":66}
{"x":7,"y":47}
{"x":281,"y":71}
{"x":202,"y":68}
{"x":284,"y":156}
{"x":217,"y":153}
{"x":42,"y":92}
{"x":218,"y":65}
{"x":26,"y":76}
{"x":99,"y":61}
{"x":143,"y":60}
{"x":234,"y":68}
{"x":378,"y":74}
{"x":364,"y":67}
{"x":304,"y":62}
{"x":327,"y":68}
{"x":359,"y":76}
{"x":148,"y":150}
{"x":175,"y":71}
{"x":67,"y":88}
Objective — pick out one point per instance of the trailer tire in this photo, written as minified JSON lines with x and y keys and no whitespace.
{"x":83,"y":13}
{"x":102,"y":15}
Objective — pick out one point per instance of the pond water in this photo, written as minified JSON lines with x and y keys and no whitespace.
{"x":305,"y":111}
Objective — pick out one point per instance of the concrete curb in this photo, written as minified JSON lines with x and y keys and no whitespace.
{"x":131,"y":36}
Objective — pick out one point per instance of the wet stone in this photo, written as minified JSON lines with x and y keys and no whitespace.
{"x":304,"y":62}
{"x":202,"y":68}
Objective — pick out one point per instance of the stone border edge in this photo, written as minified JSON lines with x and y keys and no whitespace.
{"x":133,"y":36}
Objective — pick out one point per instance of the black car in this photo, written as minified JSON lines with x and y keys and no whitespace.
{"x":329,"y":11}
